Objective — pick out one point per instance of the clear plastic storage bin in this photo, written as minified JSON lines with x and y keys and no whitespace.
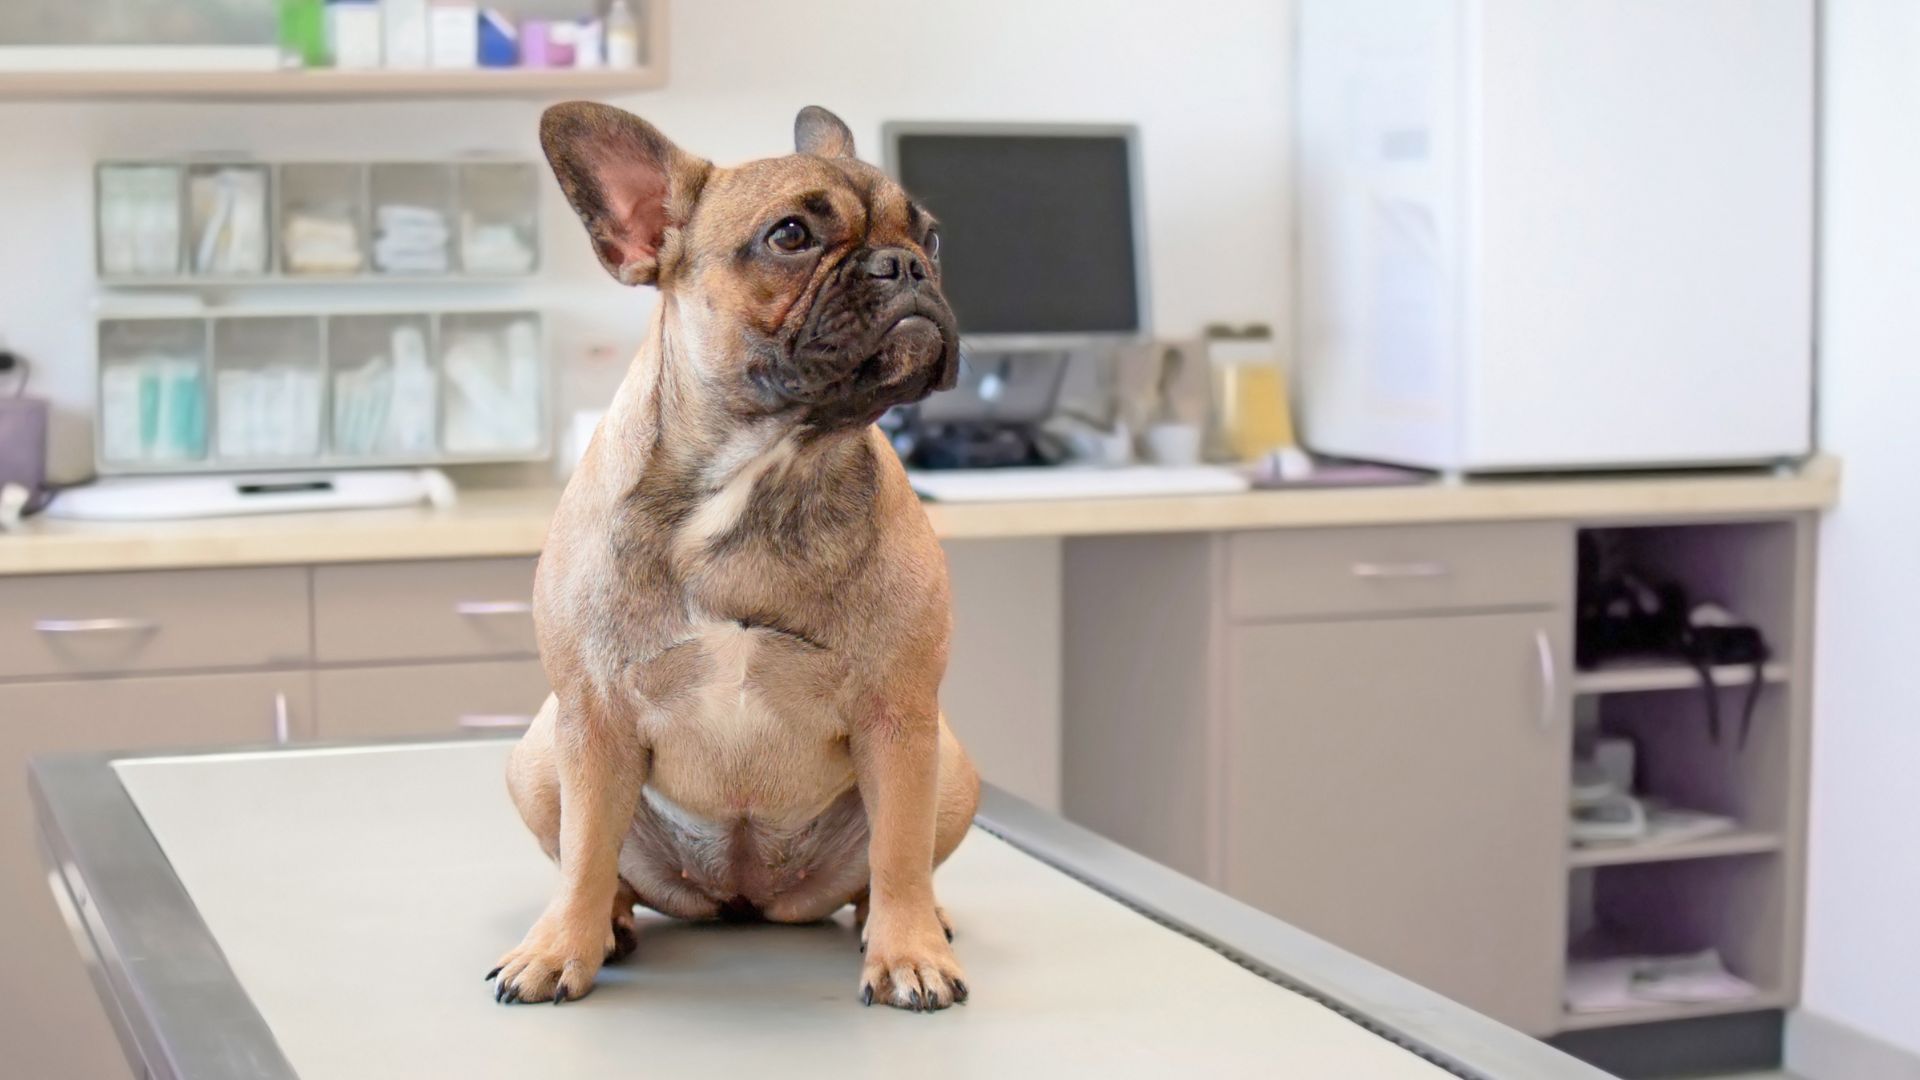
{"x":323,"y":219}
{"x":228,"y":218}
{"x":493,"y":384}
{"x":153,"y":392}
{"x":269,"y":388}
{"x":499,"y":218}
{"x":413,"y":213}
{"x":137,"y":219}
{"x":383,"y":387}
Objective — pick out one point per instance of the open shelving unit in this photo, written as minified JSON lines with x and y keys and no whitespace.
{"x":1737,"y":892}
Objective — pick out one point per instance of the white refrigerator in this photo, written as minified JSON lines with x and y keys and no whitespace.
{"x":1555,"y":234}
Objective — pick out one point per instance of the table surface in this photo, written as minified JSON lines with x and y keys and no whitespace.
{"x":513,"y":522}
{"x":359,"y":894}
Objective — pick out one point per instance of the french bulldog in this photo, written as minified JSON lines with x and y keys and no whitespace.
{"x":741,"y":607}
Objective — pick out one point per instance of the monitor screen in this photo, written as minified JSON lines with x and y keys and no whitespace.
{"x":1036,"y":230}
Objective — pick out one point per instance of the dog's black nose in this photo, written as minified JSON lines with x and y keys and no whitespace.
{"x":893,"y":262}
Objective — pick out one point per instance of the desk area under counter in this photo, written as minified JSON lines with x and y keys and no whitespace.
{"x":1151,"y":666}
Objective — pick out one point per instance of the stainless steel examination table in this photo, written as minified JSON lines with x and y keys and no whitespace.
{"x":329,"y":912}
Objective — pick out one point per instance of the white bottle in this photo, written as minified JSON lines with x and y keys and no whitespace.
{"x":623,"y":37}
{"x":589,"y":44}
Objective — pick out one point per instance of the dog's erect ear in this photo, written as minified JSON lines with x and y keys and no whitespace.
{"x":632,"y":188}
{"x":821,"y":134}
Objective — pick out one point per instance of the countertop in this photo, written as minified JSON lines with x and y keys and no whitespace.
{"x":513,"y":522}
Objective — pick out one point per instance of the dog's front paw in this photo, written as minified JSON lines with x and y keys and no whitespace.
{"x":556,"y":962}
{"x":909,"y":964}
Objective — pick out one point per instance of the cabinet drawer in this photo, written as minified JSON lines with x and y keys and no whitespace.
{"x":91,"y":624}
{"x":423,"y":610}
{"x":1293,"y":573}
{"x":484,"y":697}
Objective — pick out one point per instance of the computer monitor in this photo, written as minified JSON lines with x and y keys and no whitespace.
{"x":1041,"y":237}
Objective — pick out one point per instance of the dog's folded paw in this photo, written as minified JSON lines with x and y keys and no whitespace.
{"x":911,"y":968}
{"x":552,"y":964}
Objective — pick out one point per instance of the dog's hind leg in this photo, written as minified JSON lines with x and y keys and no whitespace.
{"x":534,"y":784}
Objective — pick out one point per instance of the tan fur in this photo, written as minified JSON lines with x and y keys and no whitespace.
{"x":741,"y":607}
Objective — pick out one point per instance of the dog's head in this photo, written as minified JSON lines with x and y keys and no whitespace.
{"x":810,"y":283}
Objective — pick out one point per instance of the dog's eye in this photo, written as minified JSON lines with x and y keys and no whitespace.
{"x":789,"y":236}
{"x":932,"y":245}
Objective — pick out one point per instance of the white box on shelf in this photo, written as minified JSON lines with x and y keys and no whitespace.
{"x":453,"y":31}
{"x":353,"y":29}
{"x":404,"y":23}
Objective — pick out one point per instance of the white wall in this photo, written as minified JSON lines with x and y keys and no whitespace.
{"x":1206,"y":83}
{"x":1863,"y":960}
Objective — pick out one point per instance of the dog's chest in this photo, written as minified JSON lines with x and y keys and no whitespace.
{"x":742,"y":722}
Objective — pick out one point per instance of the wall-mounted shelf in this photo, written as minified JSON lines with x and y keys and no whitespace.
{"x":1637,"y":677}
{"x":1707,"y":847}
{"x":333,"y":84}
{"x":328,"y":84}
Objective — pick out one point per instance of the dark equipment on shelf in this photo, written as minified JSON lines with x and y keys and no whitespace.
{"x":1620,"y":615}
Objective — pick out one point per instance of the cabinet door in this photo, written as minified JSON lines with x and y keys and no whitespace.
{"x":485,"y":697}
{"x":1399,"y":787}
{"x":51,"y":1023}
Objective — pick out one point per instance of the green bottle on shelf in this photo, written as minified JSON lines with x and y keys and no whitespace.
{"x":303,"y":33}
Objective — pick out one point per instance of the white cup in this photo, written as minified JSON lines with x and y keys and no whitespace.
{"x":1174,"y":444}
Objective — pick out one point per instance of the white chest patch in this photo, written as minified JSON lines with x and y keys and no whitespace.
{"x":738,"y":469}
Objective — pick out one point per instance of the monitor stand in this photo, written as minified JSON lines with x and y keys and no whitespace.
{"x":990,"y":419}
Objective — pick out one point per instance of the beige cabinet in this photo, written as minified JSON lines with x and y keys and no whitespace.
{"x":1397,"y":786}
{"x":53,"y":1029}
{"x":1364,"y":731}
{"x":481,"y":697}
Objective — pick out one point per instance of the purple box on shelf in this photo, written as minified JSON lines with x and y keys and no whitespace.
{"x":536,"y":44}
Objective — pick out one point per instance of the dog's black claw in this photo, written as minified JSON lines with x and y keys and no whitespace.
{"x":949,"y":931}
{"x":560,"y":994}
{"x":500,"y":993}
{"x":913,"y":1000}
{"x":959,"y":991}
{"x":866,"y":994}
{"x":492,"y":973}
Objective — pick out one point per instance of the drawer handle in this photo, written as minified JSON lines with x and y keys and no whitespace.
{"x":1400,"y":569}
{"x":493,"y":722}
{"x":95,"y":626}
{"x":282,"y":721}
{"x":493,"y":607}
